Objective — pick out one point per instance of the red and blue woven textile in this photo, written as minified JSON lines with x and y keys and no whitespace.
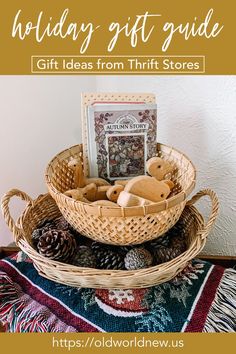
{"x":200,"y":299}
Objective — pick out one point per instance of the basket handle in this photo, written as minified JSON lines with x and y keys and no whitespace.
{"x":214,"y":209}
{"x":6,"y":212}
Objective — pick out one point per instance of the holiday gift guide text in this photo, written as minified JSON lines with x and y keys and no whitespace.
{"x":138,"y":29}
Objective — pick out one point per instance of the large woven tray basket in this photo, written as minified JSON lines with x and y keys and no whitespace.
{"x":44,"y":207}
{"x":115,"y":225}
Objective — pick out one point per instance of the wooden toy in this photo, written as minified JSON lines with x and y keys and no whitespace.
{"x":98,"y":181}
{"x":149,"y":188}
{"x":122,"y":182}
{"x":141,"y":190}
{"x":94,"y":193}
{"x":102,"y":192}
{"x":169,"y":182}
{"x":85,"y":194}
{"x":127,"y":199}
{"x":76,"y":166}
{"x":90,"y":192}
{"x":158,"y":168}
{"x":77,"y":195}
{"x":104,"y":203}
{"x":114,"y":192}
{"x":79,"y":178}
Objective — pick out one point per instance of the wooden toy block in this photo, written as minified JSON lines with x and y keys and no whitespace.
{"x":127,"y":199}
{"x":158,"y":168}
{"x":148,"y":188}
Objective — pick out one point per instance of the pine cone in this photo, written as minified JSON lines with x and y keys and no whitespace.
{"x":178,"y":243}
{"x":138,"y":258}
{"x":57,"y":245}
{"x":84,"y":257}
{"x":45,"y":226}
{"x":47,"y":223}
{"x":81,"y":240}
{"x":163,"y":240}
{"x":165,"y":254}
{"x":107,"y":257}
{"x":178,"y":229}
{"x":125,"y":249}
{"x":62,"y":224}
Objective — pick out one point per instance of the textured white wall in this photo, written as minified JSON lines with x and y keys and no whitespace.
{"x":40,"y":116}
{"x":197,"y":114}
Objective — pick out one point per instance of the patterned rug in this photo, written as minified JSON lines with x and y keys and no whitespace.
{"x":200,"y":299}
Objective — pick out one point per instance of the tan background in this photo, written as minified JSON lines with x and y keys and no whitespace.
{"x":194,"y":343}
{"x":220,"y":56}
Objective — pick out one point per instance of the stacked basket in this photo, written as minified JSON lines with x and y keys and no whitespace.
{"x":118,"y":226}
{"x":121,"y":226}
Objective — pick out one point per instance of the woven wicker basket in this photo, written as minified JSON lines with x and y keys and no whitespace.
{"x":116,"y":225}
{"x":44,"y":207}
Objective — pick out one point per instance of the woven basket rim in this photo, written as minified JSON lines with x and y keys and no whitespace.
{"x":26,"y":247}
{"x":118,"y":211}
{"x":109,"y":279}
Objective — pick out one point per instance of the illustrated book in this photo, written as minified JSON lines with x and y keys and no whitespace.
{"x":121,"y":137}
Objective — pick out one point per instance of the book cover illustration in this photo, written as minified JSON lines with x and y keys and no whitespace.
{"x":121,"y":138}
